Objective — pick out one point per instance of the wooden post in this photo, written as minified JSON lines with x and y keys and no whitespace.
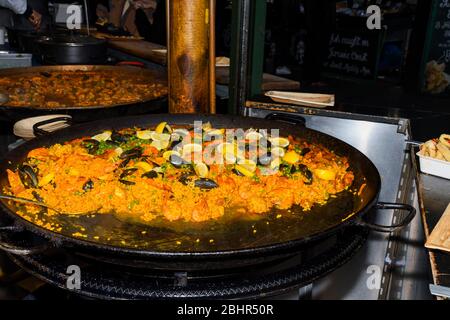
{"x":191,"y":89}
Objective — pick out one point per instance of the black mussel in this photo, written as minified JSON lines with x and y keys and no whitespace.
{"x":28,"y":176}
{"x":176,"y":161}
{"x":304,"y":151}
{"x":126,"y":182}
{"x":112,"y":143}
{"x":174,"y":145}
{"x":133,"y":153}
{"x":150,"y":174}
{"x":124,"y":163}
{"x":91,"y":145}
{"x":88,"y":185}
{"x":120,"y":137}
{"x":204,"y":183}
{"x":127,"y":172}
{"x":186,"y":178}
{"x":265,"y":159}
{"x":37,"y":196}
{"x":45,"y":74}
{"x":237,"y":172}
{"x":306,"y":173}
{"x":90,"y":142}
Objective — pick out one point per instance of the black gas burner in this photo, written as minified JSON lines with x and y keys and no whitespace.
{"x":111,"y":281}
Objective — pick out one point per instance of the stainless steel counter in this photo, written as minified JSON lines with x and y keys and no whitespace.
{"x":390,"y":266}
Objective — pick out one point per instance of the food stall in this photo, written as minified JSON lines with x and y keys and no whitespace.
{"x":335,"y":204}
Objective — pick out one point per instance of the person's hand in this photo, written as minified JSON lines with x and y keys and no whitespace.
{"x":144,"y":4}
{"x":36,"y":19}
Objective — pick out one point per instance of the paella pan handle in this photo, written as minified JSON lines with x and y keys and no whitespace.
{"x":391,"y":206}
{"x":38,"y":131}
{"x":289,"y":118}
{"x":12,"y":248}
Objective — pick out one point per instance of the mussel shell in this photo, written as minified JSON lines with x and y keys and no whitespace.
{"x":120,"y":137}
{"x":237,"y":172}
{"x":176,"y":161}
{"x":112,"y":143}
{"x":28,"y":176}
{"x":204,"y":183}
{"x":37,"y":196}
{"x":133,"y":153}
{"x":127,"y":172}
{"x":306,"y":173}
{"x":186,"y":178}
{"x":126,"y":182}
{"x":91,"y":145}
{"x":88,"y":185}
{"x":150,"y":174}
{"x":304,"y":151}
{"x":265,"y":159}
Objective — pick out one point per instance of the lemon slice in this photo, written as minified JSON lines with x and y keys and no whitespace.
{"x":248,"y":164}
{"x":227,"y":148}
{"x":179,"y":134}
{"x":163,"y":126}
{"x":279,"y":142}
{"x":160,"y":136}
{"x":215,"y":132}
{"x":275,"y":164}
{"x":291,"y":157}
{"x":277,"y":152}
{"x":168,"y":154}
{"x":201,"y":169}
{"x":207,"y":126}
{"x":244,"y":171}
{"x":144,"y":134}
{"x":160,"y":144}
{"x":145,"y":166}
{"x":192,"y":147}
{"x":46,"y":179}
{"x":118,"y":151}
{"x":106,"y":135}
{"x":253,"y":135}
{"x":229,"y":158}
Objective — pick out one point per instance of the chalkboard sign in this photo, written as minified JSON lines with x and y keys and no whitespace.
{"x":353,"y":53}
{"x":435,"y":67}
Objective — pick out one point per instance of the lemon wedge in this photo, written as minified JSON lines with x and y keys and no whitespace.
{"x":160,"y":144}
{"x":192,"y":147}
{"x":160,"y":136}
{"x":201,"y":169}
{"x":277,"y":152}
{"x":46,"y":179}
{"x":291,"y":157}
{"x":144,"y":134}
{"x":168,"y":154}
{"x":163,"y":126}
{"x":253,"y":135}
{"x":279,"y":142}
{"x":247,"y":164}
{"x":145,"y":166}
{"x":106,"y":135}
{"x":244,"y":171}
{"x":227,"y":148}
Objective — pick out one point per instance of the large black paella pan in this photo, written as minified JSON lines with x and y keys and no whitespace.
{"x":188,"y":245}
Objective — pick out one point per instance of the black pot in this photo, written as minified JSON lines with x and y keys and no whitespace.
{"x":72,"y":49}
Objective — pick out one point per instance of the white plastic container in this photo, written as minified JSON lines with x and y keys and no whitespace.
{"x":433,"y":166}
